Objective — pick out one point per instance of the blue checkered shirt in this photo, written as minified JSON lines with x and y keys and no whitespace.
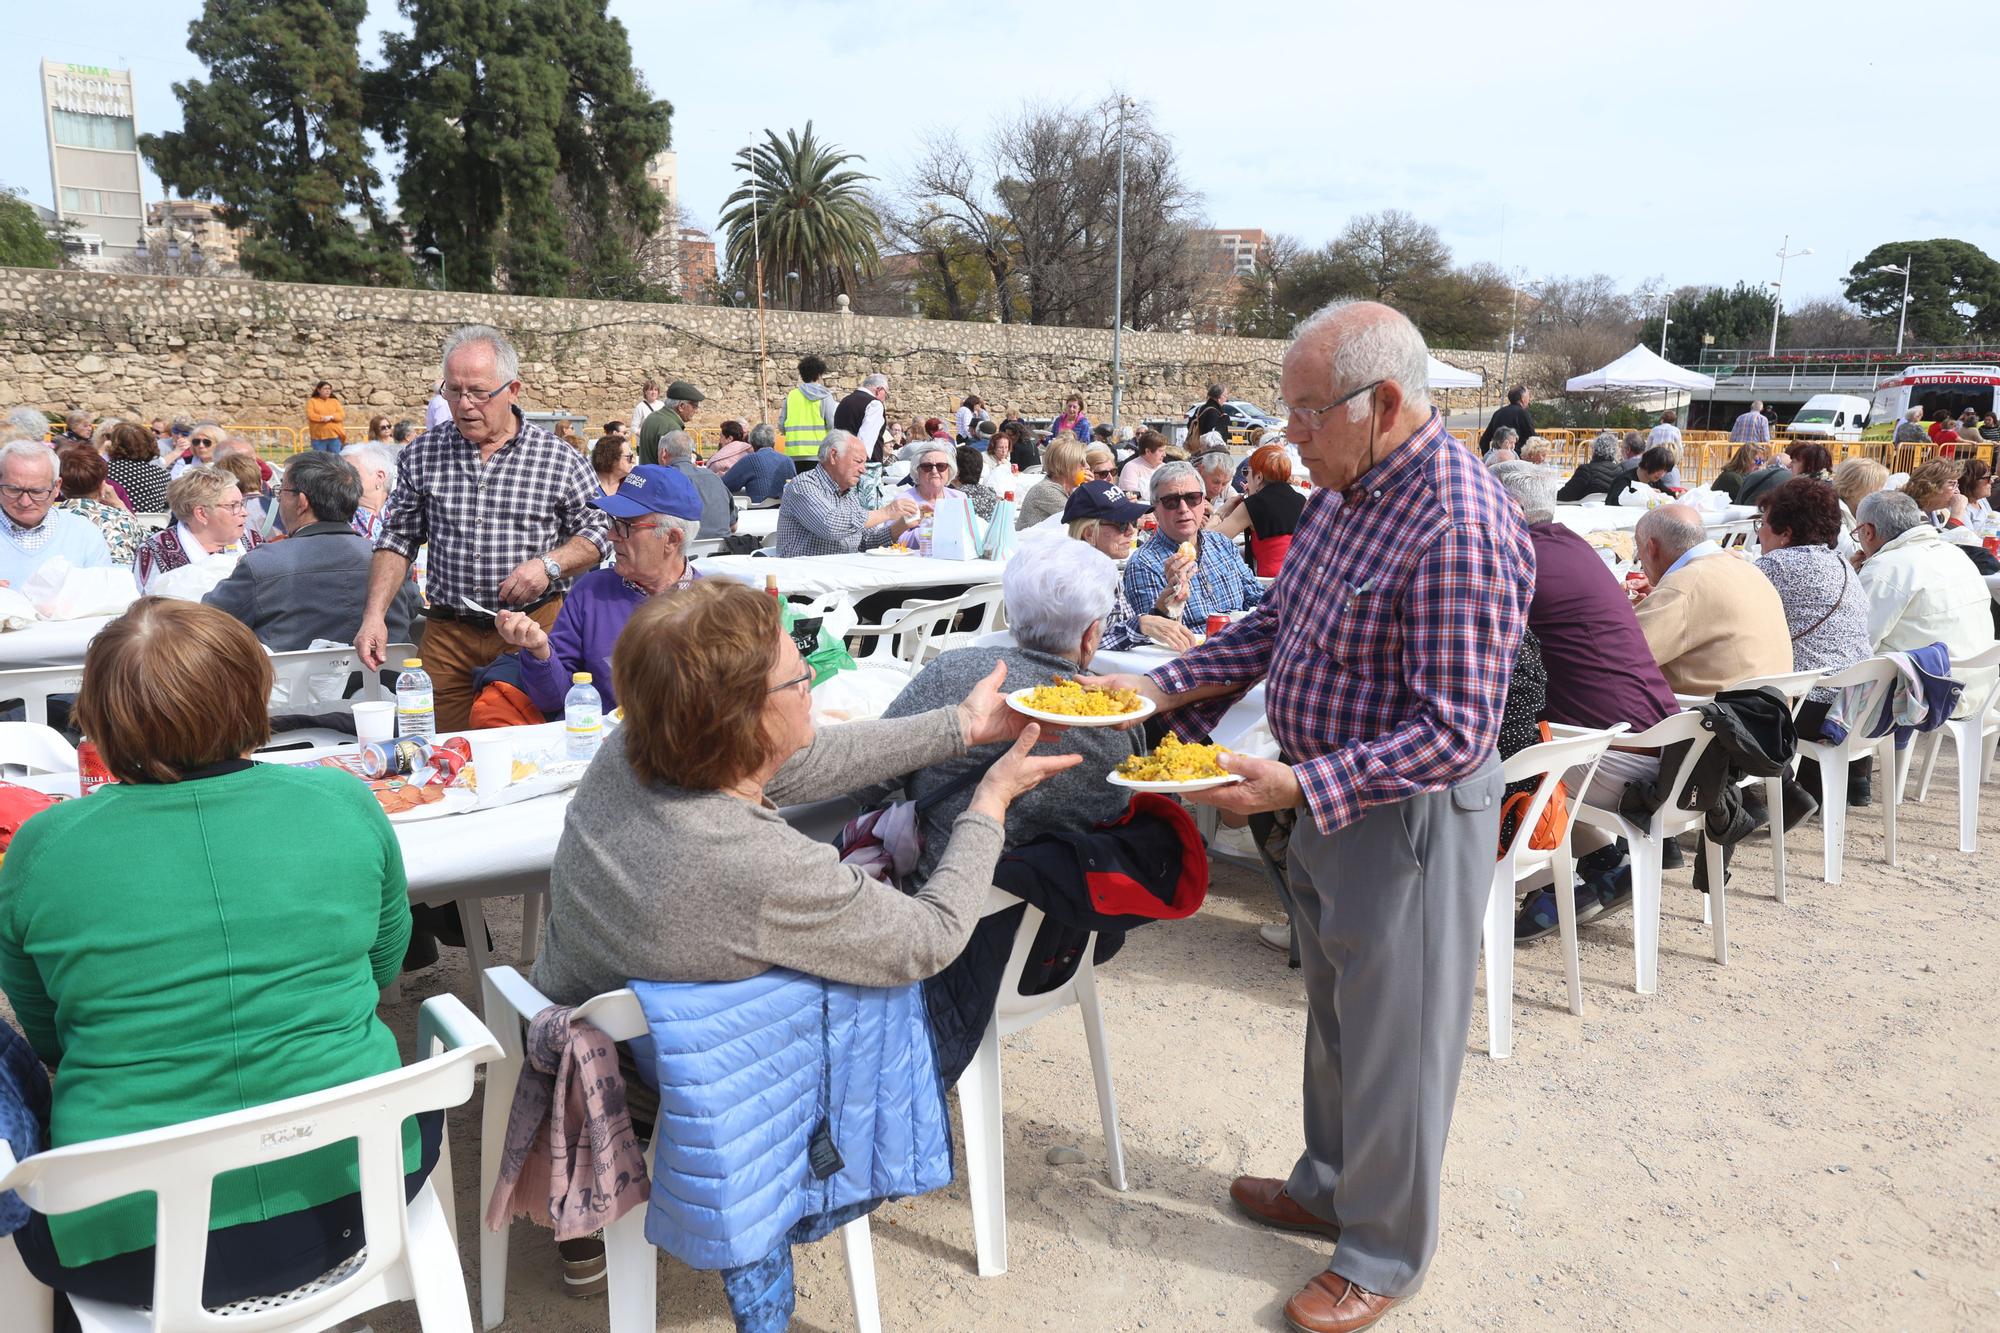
{"x":1221,"y":582}
{"x":816,"y":518}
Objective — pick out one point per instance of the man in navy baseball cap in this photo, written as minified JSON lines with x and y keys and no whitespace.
{"x":1104,"y":502}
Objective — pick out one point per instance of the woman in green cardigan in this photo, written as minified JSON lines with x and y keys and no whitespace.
{"x":169,"y":970}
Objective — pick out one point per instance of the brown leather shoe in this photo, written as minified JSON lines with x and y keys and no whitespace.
{"x":1266,"y":1201}
{"x":1331,"y":1304}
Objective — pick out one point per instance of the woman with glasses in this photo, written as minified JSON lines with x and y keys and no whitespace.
{"x":655,"y":513}
{"x":611,"y":458}
{"x":210,"y":512}
{"x":200,"y":449}
{"x":933,"y":469}
{"x":675,"y":862}
{"x":1102,"y":516}
{"x":1062,"y":473}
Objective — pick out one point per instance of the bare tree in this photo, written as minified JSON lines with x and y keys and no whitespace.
{"x":948,"y":191}
{"x":1829,"y":321}
{"x":1579,"y":303}
{"x":1388,"y":256}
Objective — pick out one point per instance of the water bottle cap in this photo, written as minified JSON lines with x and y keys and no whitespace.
{"x":412,"y":662}
{"x":580,"y":678}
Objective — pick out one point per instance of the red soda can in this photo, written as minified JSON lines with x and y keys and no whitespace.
{"x":1992,"y":545}
{"x":1635,"y":582}
{"x":90,"y":770}
{"x":1217,"y":624}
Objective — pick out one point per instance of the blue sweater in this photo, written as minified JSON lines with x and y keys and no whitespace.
{"x":763,"y":475}
{"x":71,"y":536}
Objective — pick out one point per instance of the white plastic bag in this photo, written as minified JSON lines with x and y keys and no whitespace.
{"x":191,"y":583}
{"x":857,"y":695}
{"x":60,"y":591}
{"x":16,"y":611}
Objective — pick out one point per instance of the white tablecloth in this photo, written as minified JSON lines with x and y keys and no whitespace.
{"x":858,"y":575}
{"x":49,"y":643}
{"x":1586,"y":519}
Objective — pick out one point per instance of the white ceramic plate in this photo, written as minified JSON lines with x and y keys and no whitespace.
{"x":1118,"y":779}
{"x":889,"y":551}
{"x":1018,"y":702}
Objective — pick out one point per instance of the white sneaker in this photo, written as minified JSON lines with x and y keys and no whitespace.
{"x":1277,"y":935}
{"x":1234,"y":842}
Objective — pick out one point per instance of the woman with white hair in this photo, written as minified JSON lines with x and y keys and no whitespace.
{"x":1058,"y":595}
{"x":377,"y":465}
{"x":932,"y":470}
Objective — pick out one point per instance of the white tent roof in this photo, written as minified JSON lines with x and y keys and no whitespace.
{"x":1639,"y":368}
{"x":1451,"y":377}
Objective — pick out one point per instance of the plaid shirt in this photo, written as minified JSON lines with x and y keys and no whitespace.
{"x":1221,"y":582}
{"x":1121,"y":627}
{"x":481,"y":520}
{"x":1388,"y":637}
{"x":1751,"y":428}
{"x":814,"y":518}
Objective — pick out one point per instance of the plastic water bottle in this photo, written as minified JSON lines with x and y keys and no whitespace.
{"x":583,"y":718}
{"x":416,"y":710}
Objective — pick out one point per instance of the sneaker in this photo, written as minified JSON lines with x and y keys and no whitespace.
{"x":1276,"y":935}
{"x":1234,"y":842}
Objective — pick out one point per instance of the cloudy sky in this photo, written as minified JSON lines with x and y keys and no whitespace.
{"x":1640,"y":139}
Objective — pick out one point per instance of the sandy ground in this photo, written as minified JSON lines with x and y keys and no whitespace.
{"x":1804,"y":1139}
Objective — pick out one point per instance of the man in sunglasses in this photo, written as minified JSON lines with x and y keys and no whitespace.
{"x":1183,"y":572}
{"x":1387,"y":644}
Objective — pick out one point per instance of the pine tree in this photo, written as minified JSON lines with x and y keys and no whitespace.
{"x":516,"y":119}
{"x":275,"y":135}
{"x":24,"y":241}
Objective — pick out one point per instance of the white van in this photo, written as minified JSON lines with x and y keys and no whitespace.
{"x":1831,"y":416}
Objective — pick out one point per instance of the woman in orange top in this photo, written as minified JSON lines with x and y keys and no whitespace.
{"x":324,"y":418}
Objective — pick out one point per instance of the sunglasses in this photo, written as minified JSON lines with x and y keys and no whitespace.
{"x":933,"y":467}
{"x":1180,"y":500}
{"x":1104,"y":472}
{"x":623,"y":528}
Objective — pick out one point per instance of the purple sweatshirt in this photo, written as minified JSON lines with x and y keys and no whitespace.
{"x":585,"y":632}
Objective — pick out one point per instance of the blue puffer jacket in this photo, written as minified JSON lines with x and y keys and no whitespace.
{"x":748,"y":1071}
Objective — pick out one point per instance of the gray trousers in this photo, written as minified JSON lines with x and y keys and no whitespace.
{"x":1388,"y":912}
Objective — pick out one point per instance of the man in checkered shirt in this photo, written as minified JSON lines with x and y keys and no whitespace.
{"x":504,"y":507}
{"x":821,"y":513}
{"x":1387,"y":643}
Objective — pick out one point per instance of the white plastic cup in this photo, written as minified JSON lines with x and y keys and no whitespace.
{"x":375,"y":720}
{"x":493,"y":762}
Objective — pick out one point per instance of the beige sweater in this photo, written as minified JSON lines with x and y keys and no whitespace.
{"x":1714,"y":622}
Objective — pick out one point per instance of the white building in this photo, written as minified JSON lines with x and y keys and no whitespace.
{"x":94,"y":158}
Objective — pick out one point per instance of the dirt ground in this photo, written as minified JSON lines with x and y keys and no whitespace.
{"x":1804,"y":1139}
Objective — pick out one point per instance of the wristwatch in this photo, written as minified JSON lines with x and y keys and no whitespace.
{"x":551,"y":568}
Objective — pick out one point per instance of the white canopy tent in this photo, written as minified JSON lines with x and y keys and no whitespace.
{"x":1444,"y":376}
{"x":1640,"y":368}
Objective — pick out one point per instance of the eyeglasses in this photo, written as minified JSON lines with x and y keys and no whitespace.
{"x":1181,"y":500}
{"x":233,"y":507}
{"x":475,"y":395}
{"x":1313,"y":416}
{"x":27,"y":492}
{"x":795,"y":681}
{"x":1104,"y":472}
{"x":623,"y":528}
{"x":933,"y":467}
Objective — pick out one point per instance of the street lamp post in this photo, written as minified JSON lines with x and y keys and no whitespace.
{"x":757,"y":251}
{"x":1513,"y":305}
{"x":1778,"y":297}
{"x":444,"y":283}
{"x":1118,"y":285}
{"x":1903,"y":315}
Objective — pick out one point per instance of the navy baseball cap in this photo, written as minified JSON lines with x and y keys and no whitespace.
{"x":652,"y":488}
{"x":1104,"y":501}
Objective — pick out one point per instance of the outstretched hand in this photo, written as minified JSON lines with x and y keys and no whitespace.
{"x":984,"y":717}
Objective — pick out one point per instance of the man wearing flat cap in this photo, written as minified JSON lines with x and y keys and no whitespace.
{"x":683,"y":400}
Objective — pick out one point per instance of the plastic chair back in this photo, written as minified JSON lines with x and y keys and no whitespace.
{"x":179,"y":1164}
{"x":34,"y":748}
{"x":297,"y":675}
{"x":33,"y":686}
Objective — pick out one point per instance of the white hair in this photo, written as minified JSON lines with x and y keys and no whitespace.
{"x":835,"y":441}
{"x":1890,"y":513}
{"x":689,"y":528}
{"x":33,"y":449}
{"x":1386,"y":348}
{"x":506,"y":361}
{"x":676,"y":445}
{"x":950,"y":453}
{"x":1055,"y":591}
{"x":29,"y":420}
{"x":1914,"y":414}
{"x":1533,"y":489}
{"x":1499,"y":454}
{"x":1605,"y":448}
{"x":1536,"y":450}
{"x":376,"y":455}
{"x":762,"y":436}
{"x":876,"y":381}
{"x":1215,"y":462}
{"x":1504,"y":437}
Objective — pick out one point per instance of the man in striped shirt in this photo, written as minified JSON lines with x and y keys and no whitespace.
{"x":821,"y":513}
{"x":1753,"y":427}
{"x":1387,"y":644}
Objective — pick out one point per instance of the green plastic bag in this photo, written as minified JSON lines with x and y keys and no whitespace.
{"x":823,"y":653}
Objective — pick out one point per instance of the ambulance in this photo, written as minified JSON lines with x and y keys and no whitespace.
{"x":1942,"y":391}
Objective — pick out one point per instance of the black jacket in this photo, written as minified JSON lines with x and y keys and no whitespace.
{"x":1760,"y":481}
{"x":1513,"y":416}
{"x":1754,"y":738}
{"x":1591,"y":479}
{"x":1149,"y":864}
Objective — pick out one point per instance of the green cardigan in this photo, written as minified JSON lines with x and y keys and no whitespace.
{"x":195,"y":948}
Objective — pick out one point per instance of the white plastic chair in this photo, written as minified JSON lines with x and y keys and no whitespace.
{"x":902,"y":641}
{"x":1866,"y":685}
{"x":986,"y":605}
{"x":1570,"y":754}
{"x":33,"y":686}
{"x":1795,"y":686}
{"x":1972,"y":740}
{"x":631,"y":1277}
{"x":412,"y":1251}
{"x":1646,"y":844}
{"x":979,"y":1086}
{"x":294,"y":673}
{"x":34,"y":748}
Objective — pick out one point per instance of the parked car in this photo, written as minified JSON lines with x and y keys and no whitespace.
{"x":1243,"y":418}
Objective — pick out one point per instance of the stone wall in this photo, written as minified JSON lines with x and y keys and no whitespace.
{"x":250,"y":352}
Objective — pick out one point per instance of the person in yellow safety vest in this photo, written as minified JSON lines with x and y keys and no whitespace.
{"x":808,"y":414}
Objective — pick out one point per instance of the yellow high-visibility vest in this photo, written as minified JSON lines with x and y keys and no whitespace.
{"x":805,"y":427}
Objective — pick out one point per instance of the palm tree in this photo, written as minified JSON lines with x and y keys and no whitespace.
{"x":812,"y":215}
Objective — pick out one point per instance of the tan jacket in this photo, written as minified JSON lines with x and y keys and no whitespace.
{"x":1714,"y":622}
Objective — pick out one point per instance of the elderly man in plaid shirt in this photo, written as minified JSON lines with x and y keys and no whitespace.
{"x":1387,"y":643}
{"x":821,"y":512}
{"x":504,"y":507}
